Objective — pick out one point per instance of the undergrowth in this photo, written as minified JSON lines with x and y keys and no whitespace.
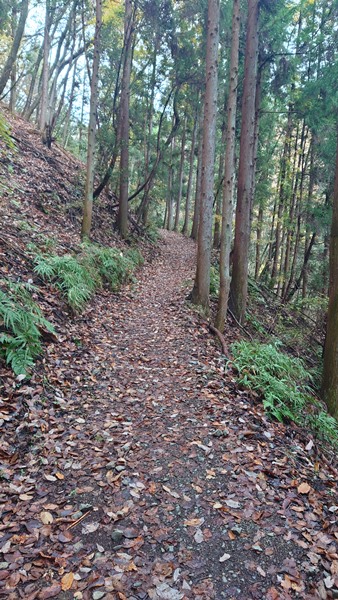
{"x":20,"y":322}
{"x":284,"y":384}
{"x":5,"y":134}
{"x":78,"y":276}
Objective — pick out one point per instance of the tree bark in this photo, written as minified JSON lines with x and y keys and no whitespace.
{"x":229,"y":175}
{"x":45,"y":74}
{"x":88,"y":198}
{"x":180,"y":177}
{"x":200,"y":293}
{"x":122,"y":217}
{"x":195,"y":222}
{"x":10,"y":62}
{"x":239,"y":281}
{"x":190,"y":179}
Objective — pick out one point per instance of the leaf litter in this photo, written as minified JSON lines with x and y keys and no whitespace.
{"x":134,"y":468}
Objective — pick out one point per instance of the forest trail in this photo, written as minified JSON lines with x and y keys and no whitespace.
{"x":151,"y":476}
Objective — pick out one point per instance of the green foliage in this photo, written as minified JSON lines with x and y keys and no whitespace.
{"x":5,"y":135}
{"x":284,"y":385}
{"x":79,"y":276}
{"x":20,"y":320}
{"x":152,"y":232}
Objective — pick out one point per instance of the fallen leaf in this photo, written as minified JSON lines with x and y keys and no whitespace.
{"x":90,"y":528}
{"x":303,"y":488}
{"x":50,"y":592}
{"x":67,"y":581}
{"x":174,"y":494}
{"x":25,"y":497}
{"x":199,"y":537}
{"x":194,"y":522}
{"x":46,"y":517}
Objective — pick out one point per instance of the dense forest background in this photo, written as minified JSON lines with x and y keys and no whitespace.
{"x":203,"y":117}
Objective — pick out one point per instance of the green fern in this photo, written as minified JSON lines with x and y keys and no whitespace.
{"x":79,"y":276}
{"x":284,"y":385}
{"x":20,"y":320}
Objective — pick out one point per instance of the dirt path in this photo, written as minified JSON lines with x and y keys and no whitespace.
{"x":151,"y":476}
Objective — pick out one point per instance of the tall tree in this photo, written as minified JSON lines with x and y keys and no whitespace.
{"x":122,"y":218}
{"x":229,"y":174}
{"x":200,"y":292}
{"x":330,"y":368}
{"x":10,"y":62}
{"x":88,"y":198}
{"x":239,"y":280}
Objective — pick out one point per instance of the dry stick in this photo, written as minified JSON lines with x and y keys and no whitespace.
{"x":239,"y":324}
{"x":221,"y":338}
{"x":78,"y":520}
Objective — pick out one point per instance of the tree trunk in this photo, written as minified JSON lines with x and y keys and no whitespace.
{"x":88,"y":198}
{"x":170,"y":199}
{"x":239,"y":281}
{"x":195,"y":222}
{"x":218,"y":199}
{"x":43,"y":117}
{"x":10,"y":62}
{"x":200,"y":292}
{"x":13,"y":90}
{"x":284,"y":174}
{"x":122,"y":217}
{"x":259,"y":241}
{"x":180,"y":177}
{"x":190,"y":179}
{"x":143,"y":210}
{"x":229,"y":174}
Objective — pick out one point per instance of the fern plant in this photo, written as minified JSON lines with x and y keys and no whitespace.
{"x":79,"y":276}
{"x":284,"y":385}
{"x":75,"y":280}
{"x":20,"y":323}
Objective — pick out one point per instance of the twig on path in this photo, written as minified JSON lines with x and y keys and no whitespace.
{"x":78,"y":520}
{"x":221,"y":338}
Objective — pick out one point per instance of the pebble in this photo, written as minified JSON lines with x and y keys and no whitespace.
{"x":117,"y":535}
{"x":97,"y":595}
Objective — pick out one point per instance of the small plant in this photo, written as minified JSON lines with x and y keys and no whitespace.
{"x":5,"y":134}
{"x":20,"y":323}
{"x":79,"y":276}
{"x":152,"y":233}
{"x":284,"y":384}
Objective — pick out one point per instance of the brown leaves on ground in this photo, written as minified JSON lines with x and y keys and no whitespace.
{"x":134,"y":468}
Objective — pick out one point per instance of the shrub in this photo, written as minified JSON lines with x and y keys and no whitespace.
{"x":79,"y":276}
{"x":284,"y":385}
{"x":5,"y":134}
{"x":20,"y":323}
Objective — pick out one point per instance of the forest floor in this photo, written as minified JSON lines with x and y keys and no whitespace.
{"x":143,"y":472}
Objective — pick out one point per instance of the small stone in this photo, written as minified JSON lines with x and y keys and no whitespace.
{"x":78,"y":546}
{"x":117,"y":535}
{"x":97,"y":595}
{"x":84,"y":507}
{"x":120,"y":468}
